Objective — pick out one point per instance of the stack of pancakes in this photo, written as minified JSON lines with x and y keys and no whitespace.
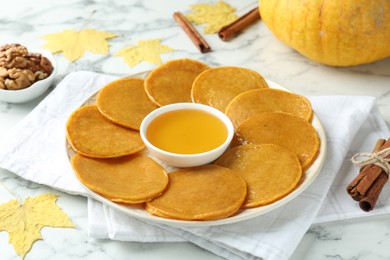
{"x":274,"y":142}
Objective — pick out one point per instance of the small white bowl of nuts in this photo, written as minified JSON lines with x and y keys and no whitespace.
{"x":24,"y":74}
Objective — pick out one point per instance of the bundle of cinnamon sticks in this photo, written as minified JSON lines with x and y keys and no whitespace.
{"x":367,"y":186}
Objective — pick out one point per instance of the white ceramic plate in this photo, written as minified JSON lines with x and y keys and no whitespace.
{"x":308,"y":178}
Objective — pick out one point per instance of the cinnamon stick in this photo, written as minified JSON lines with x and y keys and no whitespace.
{"x":192,"y":33}
{"x":229,"y":31}
{"x":367,"y":203}
{"x":367,"y":186}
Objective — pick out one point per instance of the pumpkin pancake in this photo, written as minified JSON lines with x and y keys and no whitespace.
{"x":291,"y":132}
{"x":270,"y":171}
{"x":125,"y":102}
{"x":200,"y":193}
{"x":91,"y":134}
{"x":218,"y":86}
{"x":128,"y":179}
{"x":257,"y":101}
{"x":172,"y":81}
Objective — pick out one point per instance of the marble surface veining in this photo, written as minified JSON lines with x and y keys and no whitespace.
{"x":133,"y":20}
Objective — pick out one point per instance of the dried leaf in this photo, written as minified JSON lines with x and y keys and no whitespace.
{"x":214,"y":15}
{"x":148,"y":51}
{"x":74,"y":43}
{"x":23,"y":222}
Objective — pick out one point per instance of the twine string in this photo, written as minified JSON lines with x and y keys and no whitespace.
{"x":376,"y":158}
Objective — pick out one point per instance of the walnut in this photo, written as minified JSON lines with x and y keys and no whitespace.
{"x":19,"y":79}
{"x":40,"y":75}
{"x":20,"y":69}
{"x":9,"y":52}
{"x":39,"y":63}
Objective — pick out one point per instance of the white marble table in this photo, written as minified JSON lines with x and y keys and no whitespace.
{"x":26,"y":21}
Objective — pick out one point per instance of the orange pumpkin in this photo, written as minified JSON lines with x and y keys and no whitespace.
{"x":333,"y":32}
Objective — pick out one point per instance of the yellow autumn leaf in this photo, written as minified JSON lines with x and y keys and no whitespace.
{"x":74,"y":43}
{"x":23,"y":222}
{"x":214,"y":15}
{"x":148,"y":51}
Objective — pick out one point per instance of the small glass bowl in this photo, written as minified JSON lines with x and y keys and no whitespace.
{"x":187,"y":160}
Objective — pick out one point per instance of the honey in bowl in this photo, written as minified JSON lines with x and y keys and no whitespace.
{"x":187,"y":131}
{"x":186,"y":134}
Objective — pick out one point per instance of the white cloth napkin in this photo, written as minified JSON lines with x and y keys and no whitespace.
{"x":35,"y":150}
{"x":352,"y":124}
